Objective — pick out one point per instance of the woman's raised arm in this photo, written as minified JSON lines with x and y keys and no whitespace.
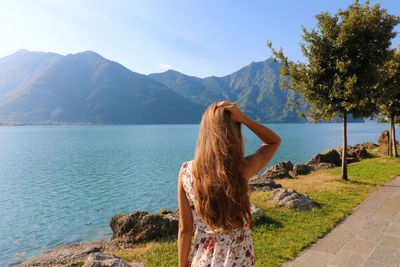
{"x":271,"y":141}
{"x":260,"y":158}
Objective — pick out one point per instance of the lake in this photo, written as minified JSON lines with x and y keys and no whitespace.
{"x":62,"y":184}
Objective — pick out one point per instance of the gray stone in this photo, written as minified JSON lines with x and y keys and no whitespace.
{"x":141,"y":226}
{"x":69,"y":254}
{"x":256,"y":213}
{"x":283,"y":169}
{"x":259,"y":183}
{"x":105,"y":260}
{"x":328,"y":156}
{"x":302,"y":169}
{"x":289,"y":198}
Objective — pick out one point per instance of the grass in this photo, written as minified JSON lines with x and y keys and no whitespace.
{"x":285,"y":232}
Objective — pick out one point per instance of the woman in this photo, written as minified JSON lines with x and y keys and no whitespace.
{"x":213,"y":190}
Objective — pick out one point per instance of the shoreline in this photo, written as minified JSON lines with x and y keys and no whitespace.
{"x":106,"y":246}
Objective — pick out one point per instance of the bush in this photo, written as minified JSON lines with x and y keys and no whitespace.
{"x":165,"y":211}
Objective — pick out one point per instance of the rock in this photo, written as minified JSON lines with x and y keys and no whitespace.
{"x":283,"y":169}
{"x":328,"y":156}
{"x":339,"y":150}
{"x":369,"y":144}
{"x":256,"y":213}
{"x":323,"y":166}
{"x":383,"y":142}
{"x":302,"y":169}
{"x":68,"y":254}
{"x":359,"y":151}
{"x":289,"y":198}
{"x":141,"y":226}
{"x":258,"y":183}
{"x":108,"y":260}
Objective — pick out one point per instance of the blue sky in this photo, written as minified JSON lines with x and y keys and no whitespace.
{"x":199,"y":38}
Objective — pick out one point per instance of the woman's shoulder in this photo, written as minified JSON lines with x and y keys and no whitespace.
{"x":186,"y":164}
{"x":186,"y":169}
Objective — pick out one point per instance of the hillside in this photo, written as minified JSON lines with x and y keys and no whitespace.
{"x":85,"y":87}
{"x":255,"y":89}
{"x":38,"y":87}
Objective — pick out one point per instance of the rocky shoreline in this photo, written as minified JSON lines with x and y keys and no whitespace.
{"x":129,"y":230}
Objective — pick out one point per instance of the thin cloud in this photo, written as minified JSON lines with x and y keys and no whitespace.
{"x":165,"y":66}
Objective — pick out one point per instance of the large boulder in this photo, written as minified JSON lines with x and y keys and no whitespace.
{"x":141,"y":226}
{"x":302,"y":169}
{"x":70,"y":254}
{"x":259,"y":183}
{"x":328,"y":156}
{"x":289,"y":198}
{"x":383,"y":142}
{"x":283,"y":169}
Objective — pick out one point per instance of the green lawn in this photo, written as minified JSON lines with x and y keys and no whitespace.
{"x":285,"y":232}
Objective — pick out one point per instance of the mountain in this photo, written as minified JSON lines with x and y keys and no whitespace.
{"x":18,"y":70}
{"x":254,"y":88}
{"x":38,"y":87}
{"x":85,"y":87}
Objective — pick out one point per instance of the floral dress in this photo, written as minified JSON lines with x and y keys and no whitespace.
{"x":218,"y":248}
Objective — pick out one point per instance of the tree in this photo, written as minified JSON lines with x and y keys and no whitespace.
{"x":343,"y":56}
{"x":388,"y":99}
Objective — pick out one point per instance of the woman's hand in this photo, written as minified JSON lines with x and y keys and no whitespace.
{"x":236,"y":114}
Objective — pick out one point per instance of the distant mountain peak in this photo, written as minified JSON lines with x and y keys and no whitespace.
{"x":89,"y":52}
{"x":171,"y":71}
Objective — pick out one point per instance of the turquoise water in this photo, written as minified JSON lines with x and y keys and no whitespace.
{"x":62,"y":184}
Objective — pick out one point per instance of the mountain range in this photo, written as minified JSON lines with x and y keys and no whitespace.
{"x":38,"y":87}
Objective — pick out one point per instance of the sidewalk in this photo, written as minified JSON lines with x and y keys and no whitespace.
{"x":369,"y":236}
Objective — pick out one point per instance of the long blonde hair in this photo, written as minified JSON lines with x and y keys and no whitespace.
{"x":221,"y":192}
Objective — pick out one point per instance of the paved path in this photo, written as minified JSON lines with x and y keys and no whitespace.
{"x":369,"y":236}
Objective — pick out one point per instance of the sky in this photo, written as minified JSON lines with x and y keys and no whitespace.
{"x":198,"y":38}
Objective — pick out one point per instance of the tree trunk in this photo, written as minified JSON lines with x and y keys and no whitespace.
{"x":394,"y":138}
{"x":390,"y":136}
{"x":344,"y":150}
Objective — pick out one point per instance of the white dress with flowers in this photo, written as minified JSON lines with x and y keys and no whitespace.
{"x":209,"y":248}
